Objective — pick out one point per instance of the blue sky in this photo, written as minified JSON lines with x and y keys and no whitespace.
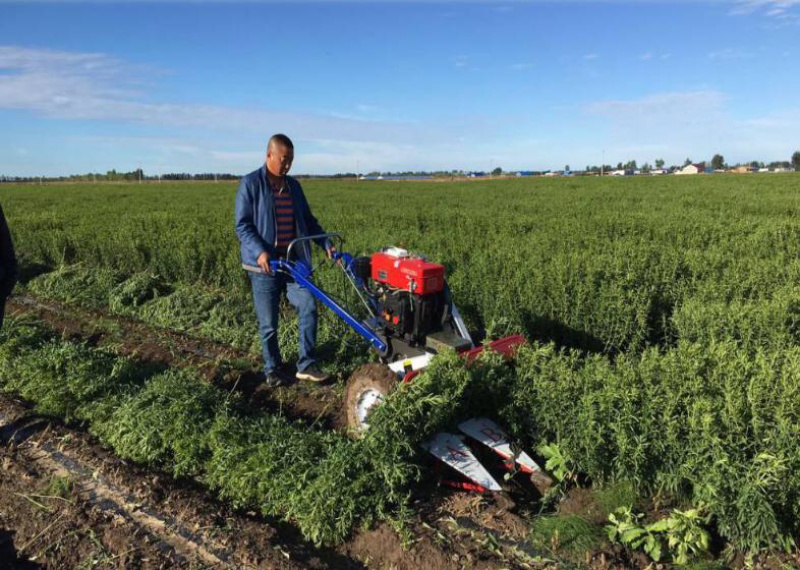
{"x":199,"y":86}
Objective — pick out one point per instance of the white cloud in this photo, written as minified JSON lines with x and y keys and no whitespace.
{"x":729,"y":54}
{"x":91,"y":86}
{"x":591,"y":57}
{"x":81,"y":86}
{"x":694,"y":123}
{"x":780,"y":9}
{"x":660,"y":107}
{"x":646,"y":56}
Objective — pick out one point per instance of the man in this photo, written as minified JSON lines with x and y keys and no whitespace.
{"x":271,"y":211}
{"x":8,"y":265}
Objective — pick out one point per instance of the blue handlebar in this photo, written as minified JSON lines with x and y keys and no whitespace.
{"x":301,"y":272}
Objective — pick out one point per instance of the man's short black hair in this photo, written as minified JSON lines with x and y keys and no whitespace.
{"x":282,"y":140}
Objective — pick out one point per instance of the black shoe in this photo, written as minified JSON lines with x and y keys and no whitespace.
{"x":273,"y":380}
{"x":312,"y":374}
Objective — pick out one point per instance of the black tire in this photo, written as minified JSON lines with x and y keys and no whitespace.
{"x":369,"y":377}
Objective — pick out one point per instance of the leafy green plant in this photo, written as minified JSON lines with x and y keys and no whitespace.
{"x":682,"y":531}
{"x":556,"y":462}
{"x":686,"y":536}
{"x":626,"y":529}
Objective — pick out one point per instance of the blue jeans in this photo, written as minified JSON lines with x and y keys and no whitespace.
{"x":266,"y":296}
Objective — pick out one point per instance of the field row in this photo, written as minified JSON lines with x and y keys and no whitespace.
{"x":597,"y":264}
{"x":708,"y":425}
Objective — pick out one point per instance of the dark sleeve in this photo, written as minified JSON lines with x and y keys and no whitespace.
{"x":312,"y":225}
{"x":8,"y":261}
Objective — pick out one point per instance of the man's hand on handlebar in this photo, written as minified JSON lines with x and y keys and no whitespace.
{"x":263,"y":262}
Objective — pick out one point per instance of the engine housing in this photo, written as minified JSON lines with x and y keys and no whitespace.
{"x":411,"y":293}
{"x":396,"y":268}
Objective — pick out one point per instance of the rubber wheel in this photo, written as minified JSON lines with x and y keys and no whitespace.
{"x":366,"y":388}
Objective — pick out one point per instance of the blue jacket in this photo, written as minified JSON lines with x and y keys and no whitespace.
{"x":255,"y":218}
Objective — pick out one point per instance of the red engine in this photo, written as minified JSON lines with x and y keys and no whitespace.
{"x":409,"y":292}
{"x":395,"y":268}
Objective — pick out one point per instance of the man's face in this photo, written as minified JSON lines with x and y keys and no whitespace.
{"x":279,"y":159}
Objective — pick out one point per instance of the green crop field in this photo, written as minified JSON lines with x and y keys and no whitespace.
{"x":663,"y":315}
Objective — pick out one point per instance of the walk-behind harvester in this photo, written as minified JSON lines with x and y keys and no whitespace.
{"x":410,"y":318}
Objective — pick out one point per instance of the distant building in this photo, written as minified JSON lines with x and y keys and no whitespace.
{"x":658,"y":171}
{"x":692,"y":169}
{"x":741,"y":169}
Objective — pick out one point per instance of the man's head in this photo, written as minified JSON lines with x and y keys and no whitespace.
{"x":280,"y":154}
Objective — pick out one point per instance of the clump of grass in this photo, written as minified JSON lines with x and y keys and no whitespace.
{"x":569,"y":534}
{"x":134,"y":292}
{"x":166,"y":423}
{"x":80,"y":284}
{"x":58,"y":486}
{"x":614,"y":495}
{"x":64,"y":379}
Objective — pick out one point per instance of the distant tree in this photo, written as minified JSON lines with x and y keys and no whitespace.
{"x":646,"y":167}
{"x":566,"y":168}
{"x":497,"y":171}
{"x":754,"y":165}
{"x":620,"y":166}
{"x":796,"y":160}
{"x":659,"y":163}
{"x":630,"y":165}
{"x":687,"y":162}
{"x":718,"y":162}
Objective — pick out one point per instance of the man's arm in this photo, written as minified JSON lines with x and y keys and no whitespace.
{"x":245,"y":227}
{"x":8,"y":260}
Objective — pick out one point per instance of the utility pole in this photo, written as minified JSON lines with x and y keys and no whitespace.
{"x":603,"y":163}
